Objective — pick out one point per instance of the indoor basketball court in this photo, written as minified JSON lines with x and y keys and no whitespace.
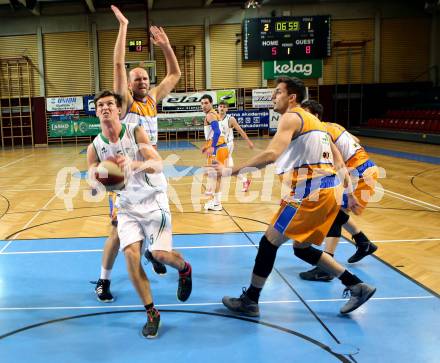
{"x":53,"y":228}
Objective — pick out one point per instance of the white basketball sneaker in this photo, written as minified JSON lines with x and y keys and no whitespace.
{"x":210,"y":205}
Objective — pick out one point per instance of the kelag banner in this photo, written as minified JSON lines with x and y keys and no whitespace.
{"x":300,"y":68}
{"x":252,"y":119}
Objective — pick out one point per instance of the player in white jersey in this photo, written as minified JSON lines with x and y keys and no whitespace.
{"x":215,"y":147}
{"x":302,"y":148}
{"x":143,"y":204}
{"x":139,"y":107}
{"x":229,"y":123}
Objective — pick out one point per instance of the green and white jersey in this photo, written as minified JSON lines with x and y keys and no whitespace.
{"x":139,"y":186}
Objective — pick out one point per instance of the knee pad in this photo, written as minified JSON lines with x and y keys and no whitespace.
{"x":265,"y":258}
{"x":336,"y":228}
{"x":310,"y":254}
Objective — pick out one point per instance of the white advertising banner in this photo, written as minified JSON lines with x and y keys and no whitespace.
{"x":190,"y":101}
{"x":262,"y":98}
{"x":74,"y":103}
{"x":273,"y":120}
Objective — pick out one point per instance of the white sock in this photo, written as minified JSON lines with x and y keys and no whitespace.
{"x":218,"y":198}
{"x":105,"y":274}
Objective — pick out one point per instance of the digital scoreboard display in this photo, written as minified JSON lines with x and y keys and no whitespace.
{"x":284,"y":38}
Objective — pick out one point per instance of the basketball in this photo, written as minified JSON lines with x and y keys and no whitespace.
{"x":110,"y":175}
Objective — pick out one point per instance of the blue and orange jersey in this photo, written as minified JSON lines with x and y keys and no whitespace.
{"x":144,"y":113}
{"x":221,"y":140}
{"x":352,"y":153}
{"x":308,"y":155}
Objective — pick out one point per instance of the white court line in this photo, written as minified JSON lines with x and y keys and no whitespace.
{"x":107,"y":307}
{"x":15,"y":161}
{"x":404,"y":240}
{"x":27,"y":224}
{"x":409,"y":199}
{"x":204,"y":247}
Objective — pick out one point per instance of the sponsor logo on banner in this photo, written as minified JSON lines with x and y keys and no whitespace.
{"x":310,"y":68}
{"x":190,"y":101}
{"x":64,"y":103}
{"x":274,"y":118}
{"x":252,"y":119}
{"x":262,"y":98}
{"x":227,"y":95}
{"x":89,"y":105}
{"x":180,"y":121}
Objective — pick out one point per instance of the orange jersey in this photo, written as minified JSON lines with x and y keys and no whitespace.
{"x":144,"y":114}
{"x":308,"y":155}
{"x":352,"y":153}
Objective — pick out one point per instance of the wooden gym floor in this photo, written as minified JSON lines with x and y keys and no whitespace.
{"x":405,"y":223}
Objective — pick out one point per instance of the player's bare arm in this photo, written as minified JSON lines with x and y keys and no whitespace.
{"x":120,"y":75}
{"x":289,"y":125}
{"x":160,"y":39}
{"x":153,"y":162}
{"x":234,"y":123}
{"x":92,"y":158}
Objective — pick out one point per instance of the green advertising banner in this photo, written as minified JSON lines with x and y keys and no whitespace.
{"x":59,"y":128}
{"x":302,"y":68}
{"x":228,"y":96}
{"x":87,"y":126}
{"x":180,"y":122}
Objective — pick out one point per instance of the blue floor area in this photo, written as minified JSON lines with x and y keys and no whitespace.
{"x":404,"y":155}
{"x":175,"y":145}
{"x":48,"y":308}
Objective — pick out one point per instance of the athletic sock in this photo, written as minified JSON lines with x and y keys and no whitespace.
{"x":185,"y":269}
{"x":360,"y":238}
{"x":105,"y":274}
{"x":218,"y":198}
{"x":253,"y":293}
{"x":348,"y":279}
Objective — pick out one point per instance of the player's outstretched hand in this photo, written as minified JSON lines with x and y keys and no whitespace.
{"x":158,"y":36}
{"x":121,"y":18}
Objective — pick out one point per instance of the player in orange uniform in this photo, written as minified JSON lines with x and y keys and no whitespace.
{"x":215,"y":147}
{"x":138,"y":106}
{"x":229,"y":124}
{"x":364,"y":174}
{"x":302,"y":148}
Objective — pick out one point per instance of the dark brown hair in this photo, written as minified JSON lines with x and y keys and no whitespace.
{"x":107,"y":93}
{"x":294,"y":86}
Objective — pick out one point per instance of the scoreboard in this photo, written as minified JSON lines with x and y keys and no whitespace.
{"x":284,"y":38}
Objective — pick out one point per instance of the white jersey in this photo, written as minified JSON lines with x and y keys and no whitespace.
{"x":228,"y":131}
{"x":139,"y":186}
{"x":343,"y":140}
{"x":207,"y":131}
{"x":144,"y":114}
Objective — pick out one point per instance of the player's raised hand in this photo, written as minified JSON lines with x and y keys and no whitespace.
{"x":158,"y":36}
{"x":121,"y":18}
